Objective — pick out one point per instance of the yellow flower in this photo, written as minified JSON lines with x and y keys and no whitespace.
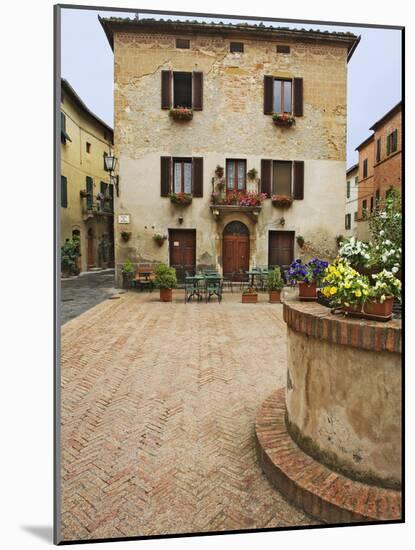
{"x":333,"y":290}
{"x":358,"y":293}
{"x":347,"y":285}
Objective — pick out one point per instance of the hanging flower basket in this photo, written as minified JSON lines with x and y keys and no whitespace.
{"x":181,"y":113}
{"x":159,"y":238}
{"x":281,"y":201}
{"x":84,"y":194}
{"x":283,"y":119}
{"x":181,"y":199}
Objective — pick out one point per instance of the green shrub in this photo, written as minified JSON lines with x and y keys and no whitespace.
{"x":70,"y":252}
{"x":165,"y":276}
{"x":274,"y":280}
{"x":127,"y":268}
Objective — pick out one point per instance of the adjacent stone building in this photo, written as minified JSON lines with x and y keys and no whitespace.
{"x":352,"y":190}
{"x":380,"y":165}
{"x":232,"y":79}
{"x":87,"y":195}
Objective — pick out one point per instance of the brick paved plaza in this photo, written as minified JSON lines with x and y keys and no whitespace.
{"x":158,"y":409}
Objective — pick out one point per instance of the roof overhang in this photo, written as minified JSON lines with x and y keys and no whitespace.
{"x":257,"y":32}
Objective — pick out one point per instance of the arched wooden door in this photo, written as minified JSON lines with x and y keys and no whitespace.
{"x":235,"y":249}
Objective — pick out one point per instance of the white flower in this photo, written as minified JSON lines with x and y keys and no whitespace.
{"x":381,"y":232}
{"x":395,"y":269}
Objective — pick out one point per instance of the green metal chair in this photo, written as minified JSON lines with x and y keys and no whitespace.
{"x":213,"y":287}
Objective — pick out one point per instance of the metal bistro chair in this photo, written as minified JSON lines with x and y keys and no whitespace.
{"x":191,"y":288}
{"x":228,"y":281}
{"x":263,"y":276}
{"x":243,"y":279}
{"x":213,"y":286}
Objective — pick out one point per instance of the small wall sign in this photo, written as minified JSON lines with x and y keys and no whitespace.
{"x":123,"y":218}
{"x":176,"y":243}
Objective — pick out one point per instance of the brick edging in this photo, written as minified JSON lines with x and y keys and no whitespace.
{"x":317,"y":321}
{"x":320,"y":492}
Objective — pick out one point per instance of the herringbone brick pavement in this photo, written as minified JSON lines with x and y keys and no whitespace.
{"x":158,"y":411}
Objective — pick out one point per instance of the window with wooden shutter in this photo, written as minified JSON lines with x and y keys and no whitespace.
{"x":166,"y":89}
{"x":298,"y":97}
{"x":282,"y":96}
{"x":64,"y":192}
{"x":281,"y":177}
{"x":348,"y":221}
{"x":266,"y":176}
{"x":90,"y":190}
{"x":298,"y":171}
{"x":197,"y":91}
{"x":236,"y":47}
{"x":268,"y":94}
{"x":378,"y":150}
{"x":197,"y":176}
{"x":348,"y":190}
{"x":165,"y":176}
{"x":365,"y":168}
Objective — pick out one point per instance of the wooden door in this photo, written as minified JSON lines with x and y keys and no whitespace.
{"x":183,"y":251}
{"x":281,"y":248}
{"x":235,"y":249}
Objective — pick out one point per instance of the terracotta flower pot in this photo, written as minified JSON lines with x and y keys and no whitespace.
{"x":307,"y":292}
{"x":250,"y":298}
{"x":275,"y":296}
{"x":159,"y":241}
{"x":378,"y":311}
{"x":166,"y":294}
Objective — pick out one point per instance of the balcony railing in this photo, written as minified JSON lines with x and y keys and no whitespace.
{"x":250,"y":203}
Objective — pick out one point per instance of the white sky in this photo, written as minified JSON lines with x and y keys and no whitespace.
{"x":374,"y":72}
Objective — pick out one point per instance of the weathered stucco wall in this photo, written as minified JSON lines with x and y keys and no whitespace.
{"x":344,"y":403}
{"x":231,"y":125}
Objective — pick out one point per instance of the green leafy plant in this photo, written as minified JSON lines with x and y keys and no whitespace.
{"x":357,"y":253}
{"x":127,"y":268}
{"x":165,"y":276}
{"x":70,"y":252}
{"x":283,"y":119}
{"x":249,"y":290}
{"x":275,"y":280}
{"x":158,"y":237}
{"x":385,"y":227}
{"x":252,"y":174}
{"x":182,"y":199}
{"x":300,"y":241}
{"x":125,"y":235}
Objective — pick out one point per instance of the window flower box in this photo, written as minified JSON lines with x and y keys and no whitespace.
{"x":283,"y":119}
{"x":249,"y":296}
{"x":181,"y":113}
{"x":181,"y":199}
{"x":281,"y":201}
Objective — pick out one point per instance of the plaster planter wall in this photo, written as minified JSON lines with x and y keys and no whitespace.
{"x":344,"y":392}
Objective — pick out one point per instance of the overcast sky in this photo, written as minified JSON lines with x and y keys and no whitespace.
{"x":374,"y":74}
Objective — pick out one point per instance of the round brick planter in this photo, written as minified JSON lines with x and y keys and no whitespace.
{"x":331,"y":441}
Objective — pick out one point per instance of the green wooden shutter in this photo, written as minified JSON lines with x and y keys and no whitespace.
{"x":197,"y":177}
{"x":64,"y":192}
{"x":90,"y":189}
{"x":388,"y":144}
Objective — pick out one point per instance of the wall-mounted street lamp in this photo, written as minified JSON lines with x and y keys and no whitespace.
{"x":110,"y":164}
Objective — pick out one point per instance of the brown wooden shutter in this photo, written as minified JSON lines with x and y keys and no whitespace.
{"x":197,"y":176}
{"x":298,"y":97}
{"x":166,"y":80}
{"x":266,"y":176}
{"x":197,"y":91}
{"x":268,"y":94}
{"x":298,"y":192}
{"x":165,"y":176}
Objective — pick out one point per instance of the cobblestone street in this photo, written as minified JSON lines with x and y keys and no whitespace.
{"x":158,"y":409}
{"x":78,"y":294}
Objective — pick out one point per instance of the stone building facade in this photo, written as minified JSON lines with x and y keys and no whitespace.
{"x":380,"y":165}
{"x":352,"y":191}
{"x":85,"y":139}
{"x":234,"y":77}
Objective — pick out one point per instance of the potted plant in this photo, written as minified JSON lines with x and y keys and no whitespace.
{"x":275,"y":284}
{"x":180,"y":199}
{"x":339,"y":240}
{"x":300,"y":241}
{"x":381,"y":295}
{"x":181,"y":113}
{"x":249,"y":296}
{"x":159,"y":238}
{"x":219,"y":171}
{"x":345,"y":287}
{"x":166,"y":280}
{"x":283,"y":119}
{"x":252,"y":174}
{"x":308,"y":276}
{"x":281,"y":201}
{"x":127,"y":271}
{"x":125,"y":235}
{"x":84,"y":193}
{"x":70,"y":252}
